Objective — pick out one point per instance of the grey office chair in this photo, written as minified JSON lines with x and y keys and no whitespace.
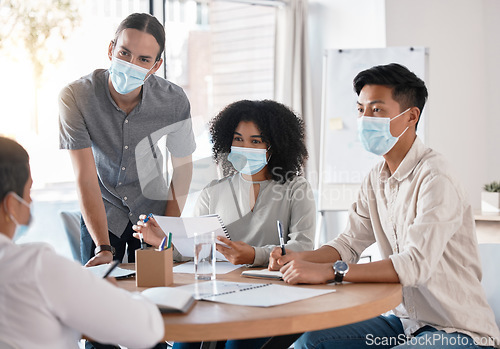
{"x":71,"y":223}
{"x":490,"y":258}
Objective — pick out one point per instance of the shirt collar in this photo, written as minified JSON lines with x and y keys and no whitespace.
{"x":410,"y":161}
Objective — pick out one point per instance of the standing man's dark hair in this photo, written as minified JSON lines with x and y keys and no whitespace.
{"x":145,"y":23}
{"x":407,"y":88}
{"x":14,"y":167}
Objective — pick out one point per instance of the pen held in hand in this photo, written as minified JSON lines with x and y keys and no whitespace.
{"x":282,"y":242}
{"x":147,"y":217}
{"x":143,"y":244}
{"x":112,"y":267}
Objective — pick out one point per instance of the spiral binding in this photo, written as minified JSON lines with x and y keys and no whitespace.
{"x":224,"y":229}
{"x":239,"y":290}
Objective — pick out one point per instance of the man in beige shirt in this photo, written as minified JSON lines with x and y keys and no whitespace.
{"x":417,"y":213}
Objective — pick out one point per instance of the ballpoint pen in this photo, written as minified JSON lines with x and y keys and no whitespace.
{"x":111,"y":268}
{"x":143,"y":244}
{"x":147,"y":217}
{"x":282,"y":242}
{"x":162,"y":244}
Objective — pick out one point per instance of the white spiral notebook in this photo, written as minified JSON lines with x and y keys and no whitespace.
{"x":249,"y":294}
{"x":184,"y":228}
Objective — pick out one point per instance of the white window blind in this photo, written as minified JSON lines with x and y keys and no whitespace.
{"x":242,"y":52}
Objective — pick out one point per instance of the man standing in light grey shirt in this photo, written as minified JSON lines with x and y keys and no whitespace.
{"x":417,"y":213}
{"x":112,"y":121}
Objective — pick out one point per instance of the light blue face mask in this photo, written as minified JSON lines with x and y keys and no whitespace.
{"x":375,"y":133}
{"x":126,"y":76}
{"x":248,"y":161}
{"x":21,"y":229}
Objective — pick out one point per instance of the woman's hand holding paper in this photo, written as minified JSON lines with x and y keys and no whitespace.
{"x":236,"y":252}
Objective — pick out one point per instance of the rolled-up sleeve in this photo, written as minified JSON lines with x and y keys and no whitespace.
{"x":181,"y":142}
{"x":73,"y":133}
{"x":439,"y":216}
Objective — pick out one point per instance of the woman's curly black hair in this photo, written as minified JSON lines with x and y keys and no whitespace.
{"x":279,"y":127}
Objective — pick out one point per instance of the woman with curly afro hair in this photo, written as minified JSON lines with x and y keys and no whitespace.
{"x":279,"y":128}
{"x":260,"y":148}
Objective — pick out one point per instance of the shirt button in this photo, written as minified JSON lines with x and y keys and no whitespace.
{"x":126,"y":121}
{"x":119,"y":183}
{"x":130,"y":214}
{"x":126,"y":147}
{"x":123,"y":168}
{"x":125,"y":198}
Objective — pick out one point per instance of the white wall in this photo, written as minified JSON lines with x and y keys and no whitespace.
{"x":464,"y":69}
{"x":340,"y":24}
{"x":491,"y":12}
{"x":462,"y":37}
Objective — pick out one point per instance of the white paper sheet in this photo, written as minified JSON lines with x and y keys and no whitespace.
{"x":254,"y":295}
{"x":184,"y":228}
{"x":118,"y":272}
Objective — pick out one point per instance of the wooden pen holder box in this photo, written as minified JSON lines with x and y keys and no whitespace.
{"x":153,"y":268}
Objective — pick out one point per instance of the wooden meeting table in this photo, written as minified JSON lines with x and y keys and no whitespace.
{"x":211,"y":321}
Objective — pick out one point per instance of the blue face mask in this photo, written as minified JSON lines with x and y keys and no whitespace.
{"x":248,"y":161}
{"x":21,"y":229}
{"x":375,"y":134}
{"x":126,"y":76}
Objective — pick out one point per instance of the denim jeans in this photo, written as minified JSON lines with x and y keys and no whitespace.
{"x":87,"y":245}
{"x":382,"y":332}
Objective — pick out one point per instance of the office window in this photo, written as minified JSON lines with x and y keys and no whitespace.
{"x":30,"y":113}
{"x":218,"y":51}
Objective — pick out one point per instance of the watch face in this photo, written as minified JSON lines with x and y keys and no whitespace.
{"x":341,"y":266}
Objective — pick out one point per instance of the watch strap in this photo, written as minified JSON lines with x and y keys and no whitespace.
{"x":339,"y":277}
{"x":101,"y":248}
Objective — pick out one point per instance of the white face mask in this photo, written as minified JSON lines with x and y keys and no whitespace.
{"x":126,"y":76}
{"x":249,"y":161}
{"x":375,"y":133}
{"x":21,"y":229}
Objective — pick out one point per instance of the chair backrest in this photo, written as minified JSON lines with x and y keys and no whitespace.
{"x":490,"y":259}
{"x":71,"y":223}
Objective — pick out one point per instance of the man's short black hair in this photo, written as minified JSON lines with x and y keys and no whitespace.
{"x":14,"y":167}
{"x":407,"y":88}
